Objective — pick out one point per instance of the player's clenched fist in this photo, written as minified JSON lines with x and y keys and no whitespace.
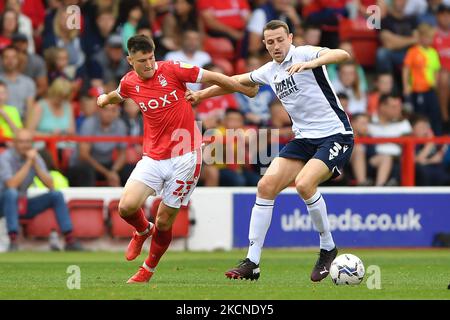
{"x":102,"y":100}
{"x":192,"y":96}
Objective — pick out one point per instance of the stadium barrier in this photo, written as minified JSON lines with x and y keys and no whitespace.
{"x":407,"y":158}
{"x":359,"y":217}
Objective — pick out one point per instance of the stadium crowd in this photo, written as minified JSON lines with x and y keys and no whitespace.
{"x":51,"y":74}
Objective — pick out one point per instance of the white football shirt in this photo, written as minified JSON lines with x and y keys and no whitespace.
{"x":307,"y":96}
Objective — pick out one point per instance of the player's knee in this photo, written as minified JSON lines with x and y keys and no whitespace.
{"x":127,"y":208}
{"x":266,"y":189}
{"x":163,"y":223}
{"x":305,"y":188}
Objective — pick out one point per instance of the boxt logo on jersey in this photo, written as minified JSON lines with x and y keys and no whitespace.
{"x":155,"y":103}
{"x":286,"y":87}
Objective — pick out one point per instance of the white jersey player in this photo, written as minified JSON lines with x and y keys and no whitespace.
{"x":322,"y":145}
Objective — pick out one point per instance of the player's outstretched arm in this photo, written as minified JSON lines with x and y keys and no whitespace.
{"x":326,"y":56}
{"x":230,"y":84}
{"x":216,"y":90}
{"x":111,"y":98}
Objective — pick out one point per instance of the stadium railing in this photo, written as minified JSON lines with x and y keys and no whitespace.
{"x":408,"y":145}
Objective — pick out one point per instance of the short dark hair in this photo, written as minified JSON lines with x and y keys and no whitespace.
{"x":10,"y":47}
{"x":3,"y":84}
{"x":140,"y":43}
{"x":385,"y":97}
{"x":275,"y":24}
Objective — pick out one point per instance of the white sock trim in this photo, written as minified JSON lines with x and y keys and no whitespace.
{"x":150,"y":226}
{"x":314,"y":198}
{"x":146,"y":267}
{"x":264,"y":202}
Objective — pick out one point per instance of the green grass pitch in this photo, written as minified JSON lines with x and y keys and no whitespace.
{"x":405,"y":274}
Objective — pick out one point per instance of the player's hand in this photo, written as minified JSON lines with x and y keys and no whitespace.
{"x":102,"y":100}
{"x":251,"y":91}
{"x":299,"y":67}
{"x":192,"y":96}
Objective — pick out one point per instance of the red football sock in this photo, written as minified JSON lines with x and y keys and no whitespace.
{"x":160,"y":242}
{"x":138,"y":220}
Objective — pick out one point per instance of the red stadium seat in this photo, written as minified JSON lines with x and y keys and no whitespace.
{"x":219,"y":48}
{"x":226,"y":65}
{"x":41,"y":225}
{"x":87,"y":218}
{"x":180,"y":228}
{"x":119,"y":228}
{"x":364,"y":40}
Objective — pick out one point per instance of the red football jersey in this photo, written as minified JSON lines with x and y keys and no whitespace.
{"x":441,"y":43}
{"x":169,"y":123}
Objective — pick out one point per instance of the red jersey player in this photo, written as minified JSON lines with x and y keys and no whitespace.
{"x":171,"y":161}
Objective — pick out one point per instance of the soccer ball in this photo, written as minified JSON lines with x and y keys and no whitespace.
{"x":347,"y":269}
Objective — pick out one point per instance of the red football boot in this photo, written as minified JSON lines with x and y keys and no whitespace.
{"x":135,"y":245}
{"x":142,"y":276}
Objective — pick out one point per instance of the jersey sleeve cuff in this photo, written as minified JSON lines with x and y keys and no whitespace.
{"x":252,"y":79}
{"x":118,"y":93}
{"x":317,"y":54}
{"x":200,"y":75}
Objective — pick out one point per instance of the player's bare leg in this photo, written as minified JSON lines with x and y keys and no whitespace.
{"x":306,"y":183}
{"x":280,"y":174}
{"x":160,"y":242}
{"x":130,"y":208}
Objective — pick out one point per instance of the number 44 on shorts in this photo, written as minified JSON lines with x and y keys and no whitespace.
{"x":183,"y":188}
{"x":334,"y":151}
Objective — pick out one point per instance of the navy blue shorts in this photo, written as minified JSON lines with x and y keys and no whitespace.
{"x":335,"y":151}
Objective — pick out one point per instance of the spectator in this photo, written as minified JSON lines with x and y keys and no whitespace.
{"x":53,"y":114}
{"x":325,"y":13}
{"x":234,"y":173}
{"x":361,"y":153}
{"x":348,"y":82}
{"x":383,"y":85}
{"x":183,"y":17}
{"x":9,"y":115}
{"x":398,"y":33}
{"x":211,"y":111}
{"x":271,"y":10}
{"x":31,"y":64}
{"x":94,"y":161}
{"x":224,"y":18}
{"x":35,"y":10}
{"x":280,"y":120}
{"x":25,"y":25}
{"x":58,"y":34}
{"x":190,"y":53}
{"x":132,"y":117}
{"x":332,"y":69}
{"x":8,"y":26}
{"x":430,"y":169}
{"x":57,"y":61}
{"x":88,"y":105}
{"x":95,"y":35}
{"x":21,"y":89}
{"x":256,"y":110}
{"x":311,"y":35}
{"x":18,"y":167}
{"x":388,"y":124}
{"x":421,"y":67}
{"x":431,"y":13}
{"x":441,"y":43}
{"x":110,"y":64}
{"x":129,"y":28}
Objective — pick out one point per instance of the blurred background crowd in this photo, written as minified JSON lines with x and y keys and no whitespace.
{"x":395,"y":85}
